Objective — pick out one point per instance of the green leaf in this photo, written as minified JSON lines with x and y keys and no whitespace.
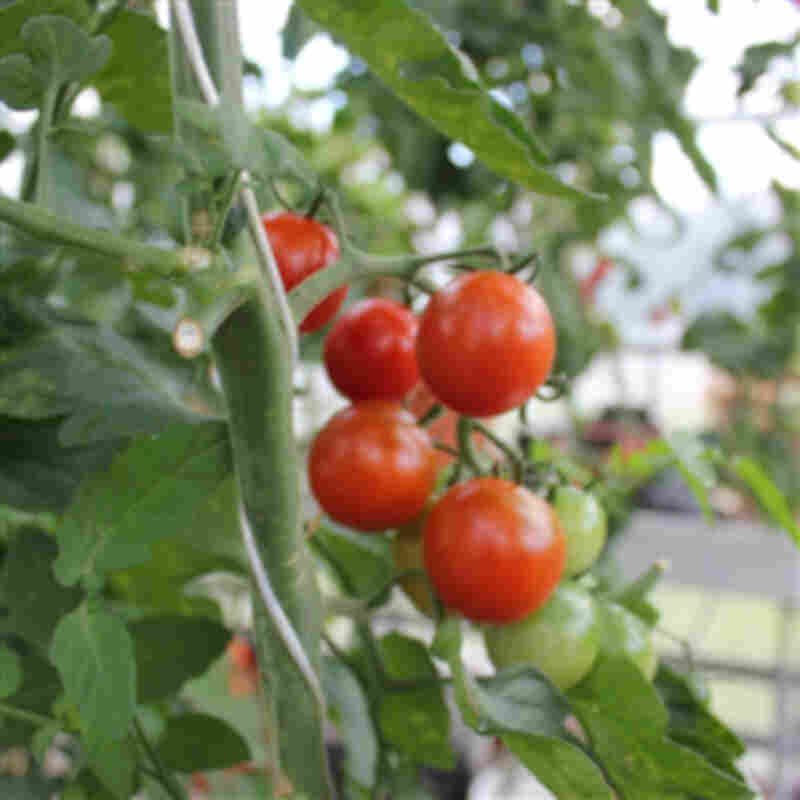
{"x":93,"y":653}
{"x":151,"y":492}
{"x":414,"y":59}
{"x":37,"y":472}
{"x":713,"y":6}
{"x":350,"y":712}
{"x":523,"y":708}
{"x":10,"y":671}
{"x":35,"y":600}
{"x":7,"y":144}
{"x":27,"y":787}
{"x":360,"y":562}
{"x":415,"y":721}
{"x":40,"y":685}
{"x":198,"y":742}
{"x":694,"y":463}
{"x":171,"y":650}
{"x":15,"y":15}
{"x":626,"y":723}
{"x":61,"y":51}
{"x":634,"y":596}
{"x":692,"y":724}
{"x":20,"y":87}
{"x":108,"y":386}
{"x":114,"y":764}
{"x":772,"y":500}
{"x":136,"y":78}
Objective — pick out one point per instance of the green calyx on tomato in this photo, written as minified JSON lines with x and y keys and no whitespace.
{"x":302,"y":246}
{"x":558,"y":639}
{"x":585,"y":527}
{"x":494,"y":551}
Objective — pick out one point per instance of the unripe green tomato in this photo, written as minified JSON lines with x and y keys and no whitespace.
{"x":407,"y":551}
{"x":558,"y":639}
{"x":623,"y":633}
{"x":585,"y":527}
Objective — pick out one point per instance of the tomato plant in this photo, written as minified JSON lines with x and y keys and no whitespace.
{"x":302,"y":246}
{"x":407,"y":553}
{"x":486,"y":343}
{"x":585,"y":527}
{"x":494,"y":550}
{"x":369,"y":351}
{"x":371,"y":466}
{"x":559,"y":638}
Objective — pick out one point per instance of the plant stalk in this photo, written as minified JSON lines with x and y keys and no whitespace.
{"x":46,"y":225}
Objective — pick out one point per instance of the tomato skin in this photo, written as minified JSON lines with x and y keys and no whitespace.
{"x":494,"y":551}
{"x":369,"y":352}
{"x":558,"y":638}
{"x":372,"y":467}
{"x":302,"y":246}
{"x":486,"y":343}
{"x":585,"y":527}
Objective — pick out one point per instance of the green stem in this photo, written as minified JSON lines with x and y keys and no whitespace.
{"x":25,"y":716}
{"x":465,"y":446}
{"x":228,"y":196}
{"x":46,"y":225}
{"x":514,"y":458}
{"x":165,"y":777}
{"x":43,"y":146}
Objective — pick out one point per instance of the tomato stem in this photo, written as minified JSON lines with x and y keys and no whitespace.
{"x":515,"y":460}
{"x":466,"y":449}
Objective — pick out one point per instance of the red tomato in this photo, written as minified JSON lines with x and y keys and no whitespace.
{"x":486,"y":343}
{"x":242,"y":653}
{"x":494,"y":551}
{"x":302,"y":246}
{"x":372,"y":467}
{"x":369,"y":353}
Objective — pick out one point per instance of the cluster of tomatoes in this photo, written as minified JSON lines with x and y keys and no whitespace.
{"x":491,"y":549}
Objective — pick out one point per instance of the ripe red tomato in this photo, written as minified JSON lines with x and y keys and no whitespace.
{"x":372,"y":467}
{"x":486,"y":343}
{"x":369,"y":352}
{"x":494,"y":551}
{"x":302,"y":246}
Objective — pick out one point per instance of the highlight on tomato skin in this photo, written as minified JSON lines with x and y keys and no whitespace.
{"x":372,"y":467}
{"x":302,"y":246}
{"x":494,"y":551}
{"x":369,"y":352}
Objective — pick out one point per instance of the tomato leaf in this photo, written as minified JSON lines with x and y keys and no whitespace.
{"x":171,"y":650}
{"x":114,"y":764}
{"x":361,"y":563}
{"x":694,"y":463}
{"x":152,"y":491}
{"x":93,"y":653}
{"x":414,"y":721}
{"x":14,"y":15}
{"x":7,"y":144}
{"x":61,"y":51}
{"x":415,"y":60}
{"x":772,"y":500}
{"x":107,"y":386}
{"x":692,"y":724}
{"x":193,"y":742}
{"x":20,"y":87}
{"x":136,"y":77}
{"x":350,"y":712}
{"x":37,"y":472}
{"x":35,"y":600}
{"x":10,"y":671}
{"x":523,"y":708}
{"x":626,"y":723}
